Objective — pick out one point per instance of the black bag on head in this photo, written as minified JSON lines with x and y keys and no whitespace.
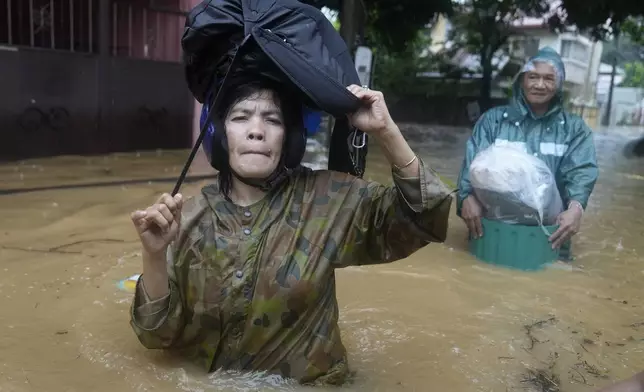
{"x":287,"y":41}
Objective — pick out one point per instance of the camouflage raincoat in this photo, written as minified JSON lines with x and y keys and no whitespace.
{"x":253,"y":288}
{"x":561,"y":139}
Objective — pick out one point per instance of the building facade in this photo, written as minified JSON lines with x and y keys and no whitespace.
{"x":92,"y":77}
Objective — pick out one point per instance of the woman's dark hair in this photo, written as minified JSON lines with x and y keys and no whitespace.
{"x":287,"y":101}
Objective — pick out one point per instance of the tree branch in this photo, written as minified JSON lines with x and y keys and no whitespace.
{"x":503,"y":38}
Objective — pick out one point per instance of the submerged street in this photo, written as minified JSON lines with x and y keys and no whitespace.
{"x":438,"y":320}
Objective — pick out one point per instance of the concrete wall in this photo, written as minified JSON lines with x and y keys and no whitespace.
{"x":444,"y":110}
{"x":50,"y":105}
{"x":627,"y":107}
{"x":551,"y":40}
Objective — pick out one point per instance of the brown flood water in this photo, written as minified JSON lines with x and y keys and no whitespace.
{"x":436,"y":321}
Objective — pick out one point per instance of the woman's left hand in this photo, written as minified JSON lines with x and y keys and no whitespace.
{"x":373,"y":117}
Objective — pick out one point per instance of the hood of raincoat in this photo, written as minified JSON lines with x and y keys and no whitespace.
{"x":550,"y":56}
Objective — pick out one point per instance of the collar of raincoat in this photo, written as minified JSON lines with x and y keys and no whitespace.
{"x":519,"y":107}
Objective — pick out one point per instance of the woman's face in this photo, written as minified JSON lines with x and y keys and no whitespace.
{"x":255,"y":132}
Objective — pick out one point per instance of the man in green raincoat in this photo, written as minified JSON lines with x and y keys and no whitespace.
{"x":536,"y":122}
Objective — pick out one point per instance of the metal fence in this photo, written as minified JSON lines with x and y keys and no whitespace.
{"x":137,"y":30}
{"x":53,"y":24}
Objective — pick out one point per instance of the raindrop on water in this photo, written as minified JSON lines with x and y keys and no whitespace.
{"x":619,"y":246}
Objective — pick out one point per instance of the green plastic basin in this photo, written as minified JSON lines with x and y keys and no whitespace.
{"x":514,"y":246}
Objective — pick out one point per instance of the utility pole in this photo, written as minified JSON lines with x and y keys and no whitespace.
{"x":588,"y":90}
{"x":350,"y":18}
{"x":609,"y":102}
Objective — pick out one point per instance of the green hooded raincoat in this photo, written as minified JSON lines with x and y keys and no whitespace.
{"x":560,"y":139}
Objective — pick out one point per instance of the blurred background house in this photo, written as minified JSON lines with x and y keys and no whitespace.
{"x":581,"y":56}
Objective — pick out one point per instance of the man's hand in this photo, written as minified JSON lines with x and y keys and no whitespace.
{"x":471,"y":213}
{"x":569,"y":223}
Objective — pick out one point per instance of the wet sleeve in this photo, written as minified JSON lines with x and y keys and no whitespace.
{"x":379,"y":224}
{"x":157,"y":323}
{"x":480,"y":139}
{"x":578,"y":168}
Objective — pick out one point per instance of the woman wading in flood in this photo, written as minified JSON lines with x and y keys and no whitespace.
{"x":242,"y":276}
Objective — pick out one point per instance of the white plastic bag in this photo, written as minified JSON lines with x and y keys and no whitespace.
{"x":515,"y":187}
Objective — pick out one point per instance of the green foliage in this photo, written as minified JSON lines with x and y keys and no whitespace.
{"x":396,"y":71}
{"x":509,"y":91}
{"x":634,"y":75}
{"x":634,"y":28}
{"x":336,"y":24}
{"x":483,"y":27}
{"x":396,"y":22}
{"x":601,"y":17}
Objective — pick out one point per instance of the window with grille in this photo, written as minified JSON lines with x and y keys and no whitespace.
{"x":142,"y":29}
{"x":575,"y":50}
{"x":69,"y":25}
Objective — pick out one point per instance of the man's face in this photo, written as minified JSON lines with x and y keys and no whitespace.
{"x":540,"y":84}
